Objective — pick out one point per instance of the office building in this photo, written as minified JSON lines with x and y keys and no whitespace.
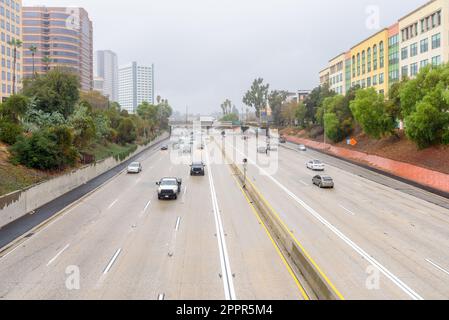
{"x":424,"y":37}
{"x":401,"y":50}
{"x":62,"y":35}
{"x":11,"y":28}
{"x":106,"y":68}
{"x":136,"y":85}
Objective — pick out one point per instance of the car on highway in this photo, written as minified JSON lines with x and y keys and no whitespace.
{"x":302,"y":147}
{"x":323,"y":181}
{"x":197,"y":169}
{"x":282,"y":140}
{"x":164,"y":147}
{"x":169,"y":188}
{"x":315,"y":165}
{"x":134,"y":167}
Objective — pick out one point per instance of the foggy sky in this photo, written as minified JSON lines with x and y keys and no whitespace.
{"x":205,"y":51}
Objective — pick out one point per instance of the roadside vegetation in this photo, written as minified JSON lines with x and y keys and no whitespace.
{"x":420,"y":106}
{"x":52,"y":126}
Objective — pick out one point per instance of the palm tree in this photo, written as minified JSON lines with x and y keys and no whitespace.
{"x":33,"y":50}
{"x":46,"y":61}
{"x":15,"y":43}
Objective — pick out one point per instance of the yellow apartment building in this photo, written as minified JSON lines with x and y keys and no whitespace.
{"x":369,"y":62}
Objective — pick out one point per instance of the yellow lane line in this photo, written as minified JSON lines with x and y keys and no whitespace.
{"x":336,"y":291}
{"x":290,"y":271}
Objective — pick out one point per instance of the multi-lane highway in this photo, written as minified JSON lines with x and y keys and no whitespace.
{"x":120,"y":242}
{"x":372,"y":237}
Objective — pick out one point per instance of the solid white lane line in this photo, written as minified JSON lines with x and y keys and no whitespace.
{"x":343,"y":237}
{"x":59,"y":253}
{"x":146,"y":207}
{"x":111,"y":263}
{"x":224,"y":257}
{"x":178,"y":221}
{"x":437,"y":266}
{"x":347,"y":210}
{"x":112,"y":204}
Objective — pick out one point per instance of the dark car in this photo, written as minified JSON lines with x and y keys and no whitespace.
{"x":164,"y":147}
{"x":282,"y":140}
{"x":323,"y":181}
{"x":197,"y":169}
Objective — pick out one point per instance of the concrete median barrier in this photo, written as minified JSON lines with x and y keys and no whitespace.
{"x":303,"y":265}
{"x":19,"y":203}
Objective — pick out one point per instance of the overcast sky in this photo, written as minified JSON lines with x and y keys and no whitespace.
{"x":206,"y":51}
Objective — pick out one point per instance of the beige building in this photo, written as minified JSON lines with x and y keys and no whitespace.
{"x":424,"y":37}
{"x":11,"y":26}
{"x":64,"y":36}
{"x":324,"y":76}
{"x":337,"y":74}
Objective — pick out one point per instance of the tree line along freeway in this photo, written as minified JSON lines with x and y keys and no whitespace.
{"x":371,"y":240}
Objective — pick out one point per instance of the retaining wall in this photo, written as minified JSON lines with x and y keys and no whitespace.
{"x":19,"y":203}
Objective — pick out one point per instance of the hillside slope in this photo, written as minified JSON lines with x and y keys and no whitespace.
{"x":395,"y":148}
{"x":16,"y":177}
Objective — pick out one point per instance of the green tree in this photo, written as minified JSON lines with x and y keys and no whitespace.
{"x":15,"y":43}
{"x":127,"y":131}
{"x":276,"y":99}
{"x":14,"y":108}
{"x":301,"y":113}
{"x":46,"y":149}
{"x":33,"y":50}
{"x":230,"y":117}
{"x":58,"y":90}
{"x":83,"y":127}
{"x":370,"y":112}
{"x":427,"y":125}
{"x":257,"y":96}
{"x":315,"y":100}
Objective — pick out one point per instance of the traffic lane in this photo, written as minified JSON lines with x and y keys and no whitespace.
{"x":411,"y":229}
{"x":377,"y":177}
{"x":260,"y":274}
{"x":407,"y":266}
{"x":20,"y":226}
{"x":26,"y":268}
{"x":346,"y":268}
{"x":174,"y":253}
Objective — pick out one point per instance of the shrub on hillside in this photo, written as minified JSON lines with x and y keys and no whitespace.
{"x":46,"y":149}
{"x":9,"y":132}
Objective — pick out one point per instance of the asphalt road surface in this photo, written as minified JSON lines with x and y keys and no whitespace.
{"x":121,"y":242}
{"x":374,"y":237}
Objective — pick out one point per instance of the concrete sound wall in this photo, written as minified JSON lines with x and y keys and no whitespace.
{"x":21,"y":202}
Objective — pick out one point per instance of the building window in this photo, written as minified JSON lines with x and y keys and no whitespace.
{"x":363,"y":62}
{"x":381,"y":78}
{"x":404,"y":53}
{"x":436,"y":61}
{"x":413,"y":69}
{"x":424,"y":45}
{"x":381,"y":55}
{"x":358,"y":64}
{"x":375,"y":58}
{"x":404,"y":71}
{"x":375,"y":80}
{"x":436,"y":41}
{"x":413,"y":50}
{"x":424,"y":63}
{"x":369,"y":59}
